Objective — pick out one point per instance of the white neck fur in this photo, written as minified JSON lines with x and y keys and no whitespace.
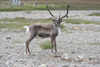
{"x":59,"y":31}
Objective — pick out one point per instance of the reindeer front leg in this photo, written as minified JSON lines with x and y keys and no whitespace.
{"x":55,"y":44}
{"x":52,"y":39}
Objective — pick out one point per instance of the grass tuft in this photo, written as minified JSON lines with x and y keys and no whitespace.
{"x":95,"y":14}
{"x":78,"y":21}
{"x":19,"y":22}
{"x":62,"y":26}
{"x":46,"y":45}
{"x":17,"y":42}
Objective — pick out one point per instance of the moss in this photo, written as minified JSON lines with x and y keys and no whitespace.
{"x":78,"y":21}
{"x":95,"y":14}
{"x":17,"y":42}
{"x":46,"y":45}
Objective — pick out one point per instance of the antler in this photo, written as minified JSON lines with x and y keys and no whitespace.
{"x":67,"y":11}
{"x":49,"y":10}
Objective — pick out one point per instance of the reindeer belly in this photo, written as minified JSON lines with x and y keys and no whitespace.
{"x":44,"y":33}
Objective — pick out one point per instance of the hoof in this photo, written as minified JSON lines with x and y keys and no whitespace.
{"x":51,"y":53}
{"x":27,"y":54}
{"x":55,"y":52}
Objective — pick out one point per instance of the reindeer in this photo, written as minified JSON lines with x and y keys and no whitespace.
{"x":45,"y":30}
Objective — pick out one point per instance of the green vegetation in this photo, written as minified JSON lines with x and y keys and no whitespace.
{"x":78,"y":21}
{"x":20,"y":22}
{"x":17,"y":19}
{"x":16,"y":8}
{"x":62,"y":26}
{"x":95,"y":14}
{"x":14,"y":25}
{"x":30,"y":7}
{"x":61,"y":5}
{"x":67,"y":32}
{"x":56,"y":5}
{"x":17,"y":42}
{"x":46,"y":45}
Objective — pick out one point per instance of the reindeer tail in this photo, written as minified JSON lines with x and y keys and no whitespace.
{"x":27,"y":28}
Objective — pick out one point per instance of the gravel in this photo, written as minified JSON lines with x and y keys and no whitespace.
{"x":78,"y":46}
{"x":45,"y":14}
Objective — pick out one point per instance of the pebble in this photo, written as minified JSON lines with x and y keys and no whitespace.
{"x":66,"y":66}
{"x":50,"y":65}
{"x":56,"y":55}
{"x":80,"y":57}
{"x":7,"y":62}
{"x":8,"y":38}
{"x":64,"y":57}
{"x":43,"y":65}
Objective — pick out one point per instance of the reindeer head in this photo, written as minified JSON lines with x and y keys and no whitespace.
{"x":54,"y":19}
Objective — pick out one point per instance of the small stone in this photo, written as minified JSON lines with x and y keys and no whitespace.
{"x":8,"y":38}
{"x":7,"y":62}
{"x":66,"y":66}
{"x":34,"y":61}
{"x":73,"y":52}
{"x":49,"y":65}
{"x":76,"y":59}
{"x":64,"y":57}
{"x":76,"y":28}
{"x":71,"y":66}
{"x":43,"y":65}
{"x":56,"y":55}
{"x":92,"y":57}
{"x":79,"y":58}
{"x":18,"y":54}
{"x":1,"y":56}
{"x":16,"y":61}
{"x":24,"y":44}
{"x":11,"y":61}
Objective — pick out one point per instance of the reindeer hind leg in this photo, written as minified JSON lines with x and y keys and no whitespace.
{"x":32,"y":35}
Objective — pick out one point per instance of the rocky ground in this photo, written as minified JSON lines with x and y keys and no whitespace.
{"x":78,"y":46}
{"x":80,"y":14}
